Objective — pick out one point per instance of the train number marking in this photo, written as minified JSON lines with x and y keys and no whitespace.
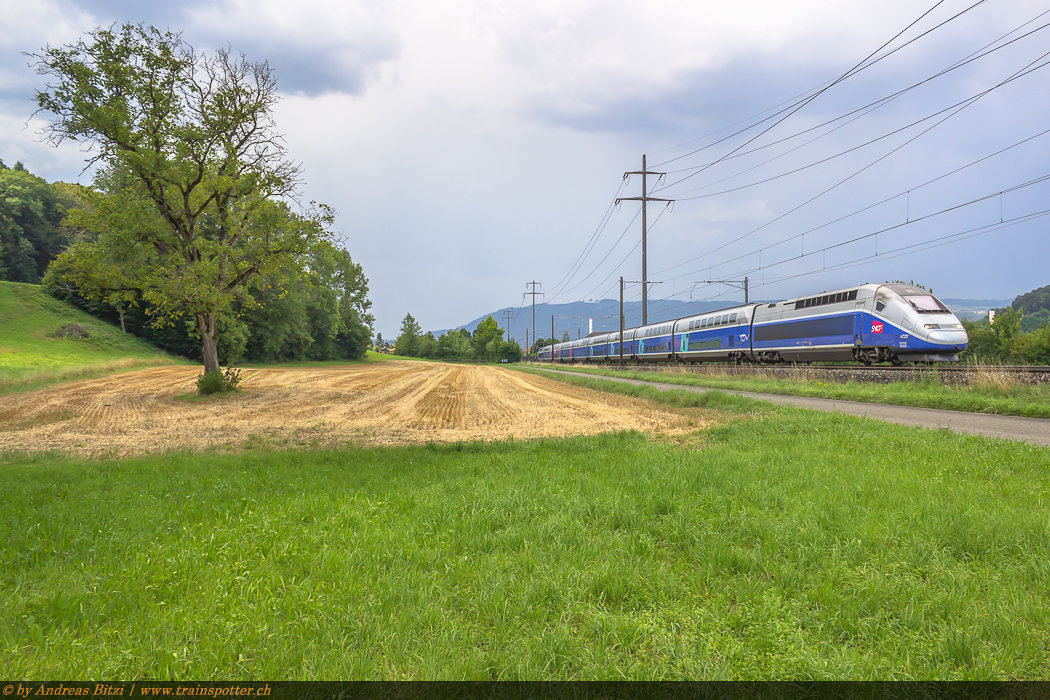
{"x":876,"y":328}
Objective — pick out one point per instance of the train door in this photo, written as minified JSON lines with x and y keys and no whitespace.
{"x":859,"y":329}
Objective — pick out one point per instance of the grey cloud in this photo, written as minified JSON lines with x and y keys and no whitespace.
{"x":310,"y":64}
{"x":318,"y":70}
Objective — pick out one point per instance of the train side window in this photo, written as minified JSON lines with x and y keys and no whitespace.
{"x":732,"y":318}
{"x":879,"y":306}
{"x":853,"y":295}
{"x":725,"y":319}
{"x":718,"y":344}
{"x":703,"y":323}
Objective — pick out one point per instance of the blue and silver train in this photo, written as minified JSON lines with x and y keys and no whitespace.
{"x":870,"y":323}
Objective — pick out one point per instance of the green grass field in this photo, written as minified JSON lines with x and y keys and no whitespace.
{"x":781,"y":543}
{"x":29,"y":357}
{"x":992,"y":391}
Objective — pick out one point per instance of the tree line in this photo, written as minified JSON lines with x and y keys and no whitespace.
{"x":31,"y":230}
{"x":1018,"y":334}
{"x":190,"y":234}
{"x":1004,"y":340}
{"x":485,"y":344}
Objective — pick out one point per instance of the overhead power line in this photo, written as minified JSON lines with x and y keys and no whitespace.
{"x":1026,"y":70}
{"x":802,"y":103}
{"x":902,"y":193}
{"x":965,"y":60}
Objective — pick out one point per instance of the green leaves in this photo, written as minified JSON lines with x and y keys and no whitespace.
{"x":188,"y":211}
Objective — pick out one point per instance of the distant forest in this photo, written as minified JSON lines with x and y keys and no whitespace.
{"x":1020,"y":333}
{"x":323,"y":315}
{"x":1035,"y":307}
{"x":31,"y":230}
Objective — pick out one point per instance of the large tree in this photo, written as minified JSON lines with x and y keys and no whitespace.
{"x":407,"y":343}
{"x":487,"y":337}
{"x":191,"y":207}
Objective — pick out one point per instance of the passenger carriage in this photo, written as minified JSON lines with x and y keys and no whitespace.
{"x":715,"y":336}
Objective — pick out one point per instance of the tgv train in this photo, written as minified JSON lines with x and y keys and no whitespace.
{"x":871,"y":323}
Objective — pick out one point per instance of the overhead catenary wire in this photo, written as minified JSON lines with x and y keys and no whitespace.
{"x":806,"y":101}
{"x":1026,"y":70}
{"x":590,"y":243}
{"x":928,"y":244}
{"x":974,"y":56}
{"x":799,"y":169}
{"x":868,"y":207}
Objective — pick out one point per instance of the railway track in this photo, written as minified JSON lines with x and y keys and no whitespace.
{"x":666,"y":366}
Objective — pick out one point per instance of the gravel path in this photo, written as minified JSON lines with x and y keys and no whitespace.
{"x":1031,"y":430}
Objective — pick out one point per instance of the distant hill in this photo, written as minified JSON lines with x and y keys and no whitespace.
{"x":32,"y":351}
{"x":974,"y":309}
{"x":977,"y":303}
{"x":1035,"y":305}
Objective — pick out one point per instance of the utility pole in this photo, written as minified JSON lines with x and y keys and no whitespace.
{"x":739,"y":284}
{"x":552,"y":339}
{"x":621,"y":321}
{"x":507,"y":318}
{"x":533,"y":293}
{"x":643,"y":199}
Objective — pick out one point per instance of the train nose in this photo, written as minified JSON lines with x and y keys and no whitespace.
{"x":953,"y":337}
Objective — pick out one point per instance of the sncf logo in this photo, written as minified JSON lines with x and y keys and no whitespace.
{"x":876,"y":328}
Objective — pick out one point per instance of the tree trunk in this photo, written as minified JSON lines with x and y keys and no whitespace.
{"x":210,"y":341}
{"x":120,"y":310}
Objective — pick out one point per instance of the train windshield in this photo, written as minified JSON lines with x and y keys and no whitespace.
{"x":926,"y":303}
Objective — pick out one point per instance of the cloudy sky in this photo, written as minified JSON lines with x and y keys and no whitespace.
{"x":470,"y":147}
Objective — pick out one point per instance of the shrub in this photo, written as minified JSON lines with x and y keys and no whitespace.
{"x":231,"y":378}
{"x":218,"y":382}
{"x":71,"y":330}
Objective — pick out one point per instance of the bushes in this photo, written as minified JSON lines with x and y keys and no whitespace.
{"x":1005,"y":341}
{"x":218,"y":382}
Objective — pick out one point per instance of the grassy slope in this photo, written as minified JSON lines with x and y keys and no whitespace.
{"x":28,"y":356}
{"x":995,"y":394}
{"x":783,"y":543}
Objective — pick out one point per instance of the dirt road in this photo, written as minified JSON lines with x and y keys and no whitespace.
{"x":391,"y":402}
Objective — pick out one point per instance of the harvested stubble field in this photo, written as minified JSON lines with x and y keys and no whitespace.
{"x":388,"y":403}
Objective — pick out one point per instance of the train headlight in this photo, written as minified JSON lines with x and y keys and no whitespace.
{"x":928,"y":326}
